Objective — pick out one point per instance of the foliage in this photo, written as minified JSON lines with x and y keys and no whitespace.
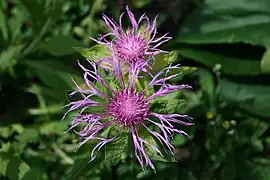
{"x":223,"y":47}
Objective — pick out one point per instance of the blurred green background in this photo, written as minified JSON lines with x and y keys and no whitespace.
{"x":223,"y":47}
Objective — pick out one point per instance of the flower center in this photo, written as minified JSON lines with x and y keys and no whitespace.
{"x":131,"y":47}
{"x":128,"y":107}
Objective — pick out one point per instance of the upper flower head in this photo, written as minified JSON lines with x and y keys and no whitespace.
{"x":126,"y":107}
{"x":136,"y":44}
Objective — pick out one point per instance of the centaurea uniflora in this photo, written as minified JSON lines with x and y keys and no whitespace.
{"x":126,"y":107}
{"x":133,"y":45}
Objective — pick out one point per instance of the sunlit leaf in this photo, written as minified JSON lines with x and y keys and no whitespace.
{"x":163,"y":60}
{"x":5,"y":132}
{"x":96,"y":52}
{"x":265,"y":62}
{"x":29,"y":135}
{"x":8,"y":57}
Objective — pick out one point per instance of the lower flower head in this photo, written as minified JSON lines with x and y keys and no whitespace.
{"x":127,"y":107}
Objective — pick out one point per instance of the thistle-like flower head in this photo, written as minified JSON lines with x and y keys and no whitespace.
{"x":129,"y":107}
{"x":126,"y":107}
{"x":133,"y":45}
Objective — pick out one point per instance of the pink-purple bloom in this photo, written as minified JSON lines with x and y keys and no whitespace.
{"x":133,"y":45}
{"x":126,"y":107}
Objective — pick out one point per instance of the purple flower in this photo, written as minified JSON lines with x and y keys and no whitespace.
{"x":135,"y":45}
{"x":127,"y":108}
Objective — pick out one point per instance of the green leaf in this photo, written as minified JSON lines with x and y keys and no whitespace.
{"x":36,"y":10}
{"x":8,"y":57}
{"x":14,"y":168}
{"x":82,"y":164}
{"x":240,"y":6}
{"x":228,"y":170}
{"x":5,"y":132}
{"x":186,"y":70}
{"x":168,"y":106}
{"x":33,"y":173}
{"x":115,"y":150}
{"x":178,"y":140}
{"x":33,"y":45}
{"x":153,"y":154}
{"x":257,"y":145}
{"x":51,"y":109}
{"x":60,"y":45}
{"x":15,"y":23}
{"x":163,"y":60}
{"x":229,"y":65}
{"x":265,"y":62}
{"x":249,"y":97}
{"x":29,"y":135}
{"x":141,"y":3}
{"x":253,"y":127}
{"x":227,"y":22}
{"x":57,"y":127}
{"x":4,"y":28}
{"x":52,"y":73}
{"x":3,"y":163}
{"x":17,"y":128}
{"x":96,"y":52}
{"x":56,"y":9}
{"x":166,"y":157}
{"x":207,"y":82}
{"x":253,"y":170}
